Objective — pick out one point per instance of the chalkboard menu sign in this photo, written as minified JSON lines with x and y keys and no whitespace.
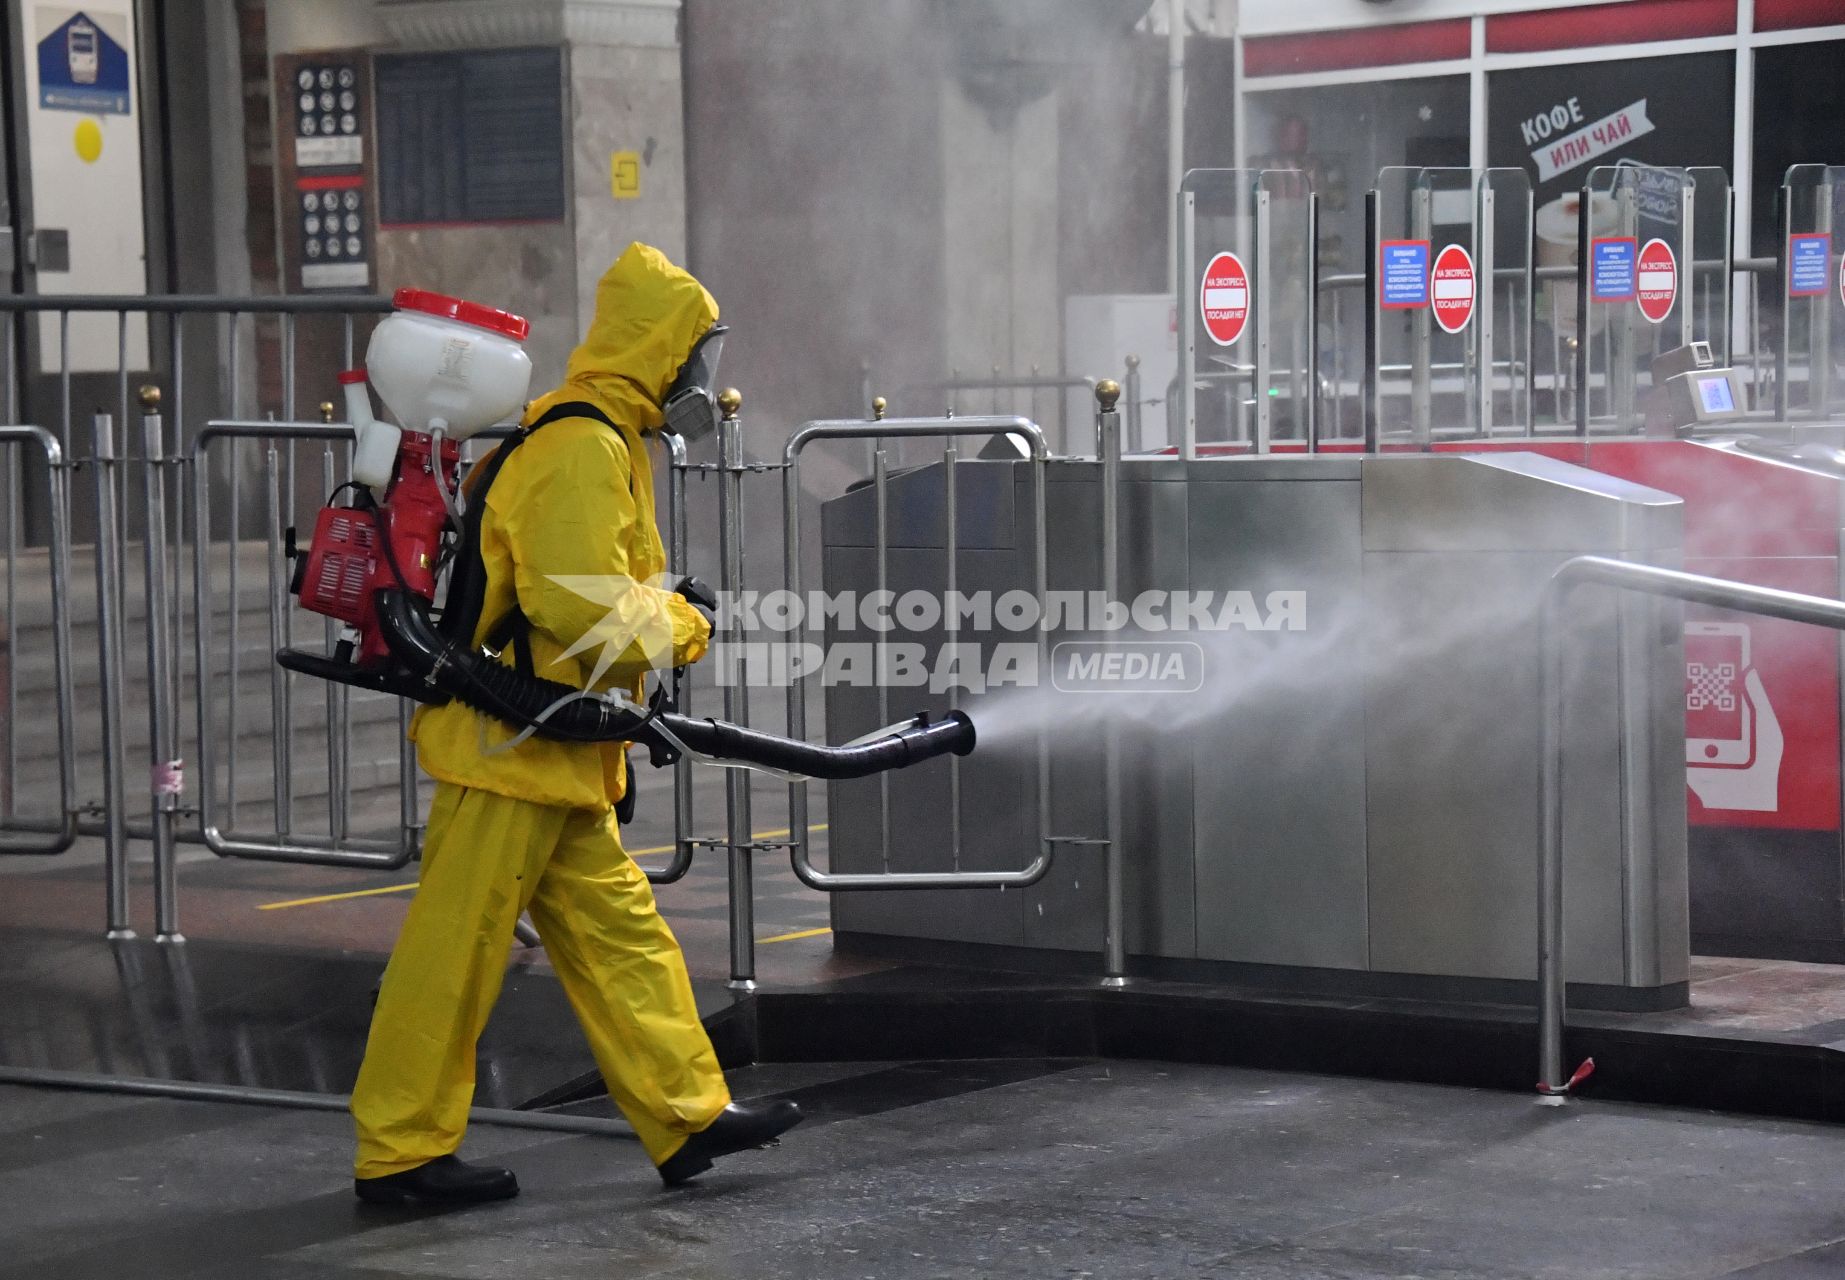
{"x":476,"y":136}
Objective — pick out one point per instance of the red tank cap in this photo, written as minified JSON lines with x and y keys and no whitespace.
{"x":350,"y":376}
{"x":477,"y":314}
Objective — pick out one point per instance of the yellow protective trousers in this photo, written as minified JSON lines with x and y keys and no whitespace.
{"x":486,"y":858}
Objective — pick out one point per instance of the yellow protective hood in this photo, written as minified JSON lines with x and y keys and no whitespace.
{"x":649,"y":313}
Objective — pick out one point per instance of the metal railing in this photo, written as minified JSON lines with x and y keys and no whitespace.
{"x":1622,"y":575}
{"x":217,"y":822}
{"x":56,"y":832}
{"x":880,"y":432}
{"x":198,"y":492}
{"x":337,"y":848}
{"x":1000,"y":394}
{"x":174,"y":310}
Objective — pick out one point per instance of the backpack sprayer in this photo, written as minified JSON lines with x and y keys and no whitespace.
{"x":448,"y":369}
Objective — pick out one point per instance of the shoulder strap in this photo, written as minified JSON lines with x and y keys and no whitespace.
{"x":467,"y":584}
{"x":570,"y":409}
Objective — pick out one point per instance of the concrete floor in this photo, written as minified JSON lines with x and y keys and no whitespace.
{"x":1109,"y":1170}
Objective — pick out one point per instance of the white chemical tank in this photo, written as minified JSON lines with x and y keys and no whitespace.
{"x":445,"y":364}
{"x":440,"y":364}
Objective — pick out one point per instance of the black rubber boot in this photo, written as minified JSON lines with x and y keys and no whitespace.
{"x":739,"y":1127}
{"x":443,"y":1181}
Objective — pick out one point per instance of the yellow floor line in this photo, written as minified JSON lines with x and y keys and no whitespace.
{"x":791,"y":937}
{"x":404,"y":888}
{"x":335,"y":897}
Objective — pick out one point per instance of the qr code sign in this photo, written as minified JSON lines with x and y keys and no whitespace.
{"x":1710,"y":687}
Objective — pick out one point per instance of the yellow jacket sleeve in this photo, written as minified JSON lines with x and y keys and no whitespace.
{"x":572,"y":527}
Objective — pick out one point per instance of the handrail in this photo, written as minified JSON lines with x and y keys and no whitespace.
{"x":188,"y":303}
{"x":378,"y":855}
{"x":61,"y":832}
{"x":907,"y":428}
{"x":339,"y":850}
{"x":1623,"y":575}
{"x":1039,"y":382}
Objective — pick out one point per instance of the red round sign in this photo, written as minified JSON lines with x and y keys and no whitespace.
{"x":1451,"y":289}
{"x":1656,"y":283}
{"x":1223,"y":299}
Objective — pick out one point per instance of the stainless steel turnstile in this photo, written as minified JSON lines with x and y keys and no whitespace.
{"x":1354,"y":802}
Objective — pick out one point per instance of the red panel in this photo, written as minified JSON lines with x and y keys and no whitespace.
{"x":1735,"y":505}
{"x":1359,"y":47}
{"x":1786,"y":15}
{"x":1772,"y":758}
{"x":1768,"y":756}
{"x":1632,"y":22}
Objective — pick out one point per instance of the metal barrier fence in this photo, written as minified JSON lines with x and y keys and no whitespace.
{"x":232,"y":487}
{"x":1003,"y":395}
{"x":881,"y":436}
{"x":54,"y":832}
{"x":192,"y":522}
{"x":221,"y":592}
{"x":137,"y":320}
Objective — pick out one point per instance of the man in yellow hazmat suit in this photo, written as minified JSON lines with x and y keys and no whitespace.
{"x":529,"y":824}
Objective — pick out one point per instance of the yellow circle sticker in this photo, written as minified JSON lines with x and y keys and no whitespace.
{"x":89,"y":140}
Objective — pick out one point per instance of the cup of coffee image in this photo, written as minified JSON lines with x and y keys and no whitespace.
{"x":1556,"y":247}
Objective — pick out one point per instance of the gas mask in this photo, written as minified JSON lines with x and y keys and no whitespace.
{"x":691,"y":402}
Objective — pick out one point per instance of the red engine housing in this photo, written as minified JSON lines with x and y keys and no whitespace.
{"x":346,"y":562}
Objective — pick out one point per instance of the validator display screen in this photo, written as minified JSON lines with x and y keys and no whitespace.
{"x":1715,"y":393}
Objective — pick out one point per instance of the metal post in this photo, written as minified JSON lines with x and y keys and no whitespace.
{"x":1687,"y":260}
{"x":1136,"y":427}
{"x":1782,"y":392}
{"x":1486,"y":276}
{"x":164,"y":768}
{"x":1728,"y":277}
{"x":880,"y":491}
{"x":1550,"y":857}
{"x":677,"y":555}
{"x":1310,"y":353}
{"x":1114,"y":939}
{"x":1368,"y":409}
{"x":15,"y":500}
{"x":1528,"y":338}
{"x":1819,"y":318}
{"x":1186,"y":235}
{"x":339,"y":739}
{"x":951,"y":623}
{"x":736,"y":692}
{"x":1622,"y":342}
{"x":1585,"y":272}
{"x":1262,"y":287}
{"x":1421,"y":425}
{"x":282,"y":742}
{"x":1175,"y":122}
{"x":109,"y":670}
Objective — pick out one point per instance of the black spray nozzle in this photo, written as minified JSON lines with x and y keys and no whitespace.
{"x":552,"y":710}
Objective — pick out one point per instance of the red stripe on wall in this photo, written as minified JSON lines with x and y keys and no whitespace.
{"x":332,"y":182}
{"x":1785,"y":15}
{"x":1632,"y":22}
{"x":1359,"y":47}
